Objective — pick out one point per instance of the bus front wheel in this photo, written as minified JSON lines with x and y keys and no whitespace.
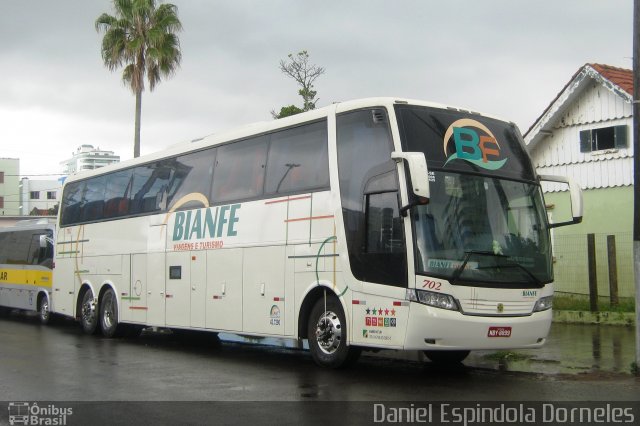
{"x":88,"y":315}
{"x":44,"y":311}
{"x":109,"y":313}
{"x":327,"y":333}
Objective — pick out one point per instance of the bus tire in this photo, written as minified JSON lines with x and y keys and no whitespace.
{"x":109,"y":313}
{"x":446,"y":357}
{"x":44,"y":310}
{"x":327,"y":333}
{"x":88,"y":314}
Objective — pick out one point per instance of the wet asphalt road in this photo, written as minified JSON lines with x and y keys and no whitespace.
{"x":59,"y":363}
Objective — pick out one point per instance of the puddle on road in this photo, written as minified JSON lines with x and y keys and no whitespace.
{"x":570,"y":349}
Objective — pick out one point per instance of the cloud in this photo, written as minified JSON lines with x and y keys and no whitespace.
{"x":497,"y":56}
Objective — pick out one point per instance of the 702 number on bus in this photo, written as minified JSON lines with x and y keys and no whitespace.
{"x":432,"y":285}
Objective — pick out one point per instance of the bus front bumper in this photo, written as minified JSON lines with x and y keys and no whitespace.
{"x":431,"y":328}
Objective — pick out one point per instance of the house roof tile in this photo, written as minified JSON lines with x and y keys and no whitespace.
{"x":621,"y":77}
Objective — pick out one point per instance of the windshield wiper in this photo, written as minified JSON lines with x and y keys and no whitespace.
{"x":460,"y":269}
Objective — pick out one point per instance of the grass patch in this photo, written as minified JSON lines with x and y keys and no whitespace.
{"x":502,"y":356}
{"x":568,"y":302}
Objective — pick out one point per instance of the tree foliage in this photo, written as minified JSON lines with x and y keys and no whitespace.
{"x":298,"y":68}
{"x":143,"y":39}
{"x":286,"y":111}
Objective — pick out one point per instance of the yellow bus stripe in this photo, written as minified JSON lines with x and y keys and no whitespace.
{"x":26,"y":277}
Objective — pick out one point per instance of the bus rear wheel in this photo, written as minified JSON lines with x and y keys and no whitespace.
{"x":447,"y":357}
{"x":88,"y":315}
{"x":109,"y":313}
{"x":327,"y":333}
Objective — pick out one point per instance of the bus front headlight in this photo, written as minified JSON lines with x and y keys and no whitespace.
{"x":437,"y":300}
{"x":543,"y":304}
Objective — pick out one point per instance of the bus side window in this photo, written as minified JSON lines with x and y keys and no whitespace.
{"x":92,"y":207}
{"x":239,"y":171}
{"x":117,"y":193}
{"x":149,"y":186}
{"x":71,"y":202}
{"x":34,"y":250}
{"x":298,"y":160}
{"x":193,"y":175}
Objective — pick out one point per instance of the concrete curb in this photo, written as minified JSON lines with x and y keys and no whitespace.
{"x":602,"y":318}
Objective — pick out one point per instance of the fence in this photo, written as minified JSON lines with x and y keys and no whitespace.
{"x":571,"y":266}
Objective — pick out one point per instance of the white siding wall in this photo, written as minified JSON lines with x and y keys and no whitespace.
{"x":559,"y":153}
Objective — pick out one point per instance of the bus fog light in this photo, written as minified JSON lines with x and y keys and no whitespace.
{"x":543,"y":304}
{"x":438,"y":300}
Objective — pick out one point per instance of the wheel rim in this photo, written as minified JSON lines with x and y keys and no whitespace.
{"x":88,"y":310}
{"x":44,"y":310}
{"x":109,"y":314}
{"x":329,"y":332}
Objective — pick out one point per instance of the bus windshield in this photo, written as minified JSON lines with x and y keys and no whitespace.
{"x":479,"y":229}
{"x":485,"y":224}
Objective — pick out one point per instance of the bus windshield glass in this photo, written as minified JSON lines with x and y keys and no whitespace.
{"x":478,"y":229}
{"x":485,"y":223}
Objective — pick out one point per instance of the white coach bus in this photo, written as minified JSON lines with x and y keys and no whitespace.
{"x":26,"y":259}
{"x":377,"y":223}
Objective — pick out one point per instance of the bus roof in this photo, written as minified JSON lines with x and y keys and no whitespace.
{"x":262,"y":127}
{"x":27,"y":224}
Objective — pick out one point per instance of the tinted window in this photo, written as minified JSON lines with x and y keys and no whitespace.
{"x":239,"y":172}
{"x":192,"y":175}
{"x":93,"y":199}
{"x":23,"y":248}
{"x":368,"y":190}
{"x":150,"y":183}
{"x":474,"y":143}
{"x":298,"y":160}
{"x":71,"y":202}
{"x":118,"y":193}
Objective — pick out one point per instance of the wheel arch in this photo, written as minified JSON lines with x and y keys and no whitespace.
{"x":106,"y":286}
{"x":43,"y":294}
{"x":309,"y":300}
{"x":86,"y":286}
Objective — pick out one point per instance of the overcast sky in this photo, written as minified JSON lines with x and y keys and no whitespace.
{"x":503,"y":57}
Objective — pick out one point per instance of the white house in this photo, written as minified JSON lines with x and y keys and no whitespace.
{"x":586,"y":133}
{"x":42,"y":195}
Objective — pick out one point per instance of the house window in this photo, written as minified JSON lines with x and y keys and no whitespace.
{"x":1,"y":202}
{"x":34,"y":195}
{"x":1,"y":177}
{"x":51,"y":195}
{"x":614,"y":137}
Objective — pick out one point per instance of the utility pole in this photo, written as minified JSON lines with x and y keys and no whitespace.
{"x":636,"y":169}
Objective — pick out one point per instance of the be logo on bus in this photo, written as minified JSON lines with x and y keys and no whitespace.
{"x":474,"y":143}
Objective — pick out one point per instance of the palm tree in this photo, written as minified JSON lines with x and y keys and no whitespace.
{"x":142,"y":38}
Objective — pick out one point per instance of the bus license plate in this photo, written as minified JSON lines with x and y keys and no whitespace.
{"x":499,"y":332}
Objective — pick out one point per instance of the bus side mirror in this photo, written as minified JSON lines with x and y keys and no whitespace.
{"x":576,"y":198}
{"x":417,"y":169}
{"x":419,"y":177}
